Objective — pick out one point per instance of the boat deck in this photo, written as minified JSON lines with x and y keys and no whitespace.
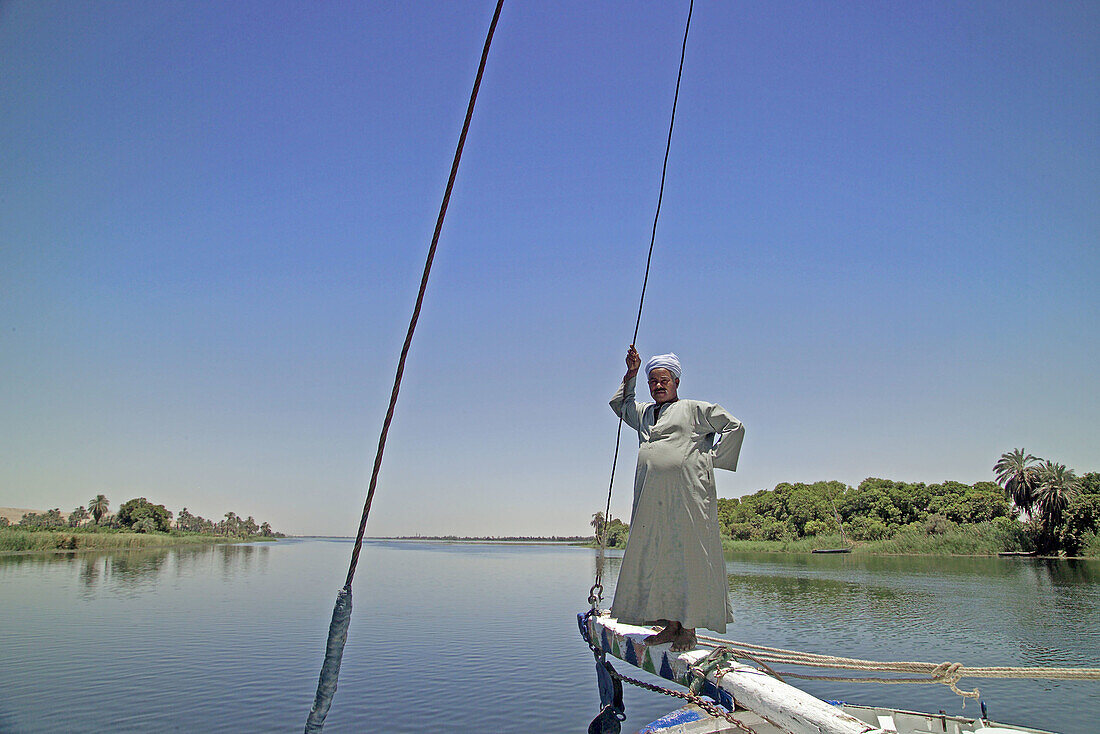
{"x":761,"y":703}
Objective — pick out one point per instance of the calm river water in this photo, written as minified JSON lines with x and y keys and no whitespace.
{"x":454,"y":637}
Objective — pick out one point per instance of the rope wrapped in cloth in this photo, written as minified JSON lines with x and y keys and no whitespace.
{"x":330,"y":669}
{"x":946,"y":673}
{"x":341,"y":613}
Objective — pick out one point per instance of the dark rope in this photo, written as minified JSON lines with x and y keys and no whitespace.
{"x":601,"y":535}
{"x":341,"y":614}
{"x":664,"y":168}
{"x":420,"y":298}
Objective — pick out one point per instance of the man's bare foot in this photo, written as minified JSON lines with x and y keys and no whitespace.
{"x":684,"y":640}
{"x":668,"y":634}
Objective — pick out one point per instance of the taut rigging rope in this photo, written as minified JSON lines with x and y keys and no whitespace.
{"x":946,"y":673}
{"x":420,"y":295}
{"x":595,"y":595}
{"x":341,"y":613}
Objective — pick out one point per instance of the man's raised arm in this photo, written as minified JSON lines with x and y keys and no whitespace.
{"x":623,"y":402}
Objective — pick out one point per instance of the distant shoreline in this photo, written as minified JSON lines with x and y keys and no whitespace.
{"x":580,"y":540}
{"x":493,"y":538}
{"x":60,"y":541}
{"x":14,"y":541}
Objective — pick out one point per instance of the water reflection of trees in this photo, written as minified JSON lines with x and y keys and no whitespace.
{"x":132,"y":571}
{"x":1058,"y":600}
{"x":1025,"y":609}
{"x":1072,"y":571}
{"x":821,"y":597}
{"x":939,"y":566}
{"x":129,"y":567}
{"x":610,"y":561}
{"x":91,"y":568}
{"x":237,"y":557}
{"x":1029,"y":605}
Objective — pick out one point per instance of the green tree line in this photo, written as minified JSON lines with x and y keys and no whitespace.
{"x":1034,"y":505}
{"x":142,"y":516}
{"x":613,"y":533}
{"x":1037,"y":504}
{"x":874,"y":510}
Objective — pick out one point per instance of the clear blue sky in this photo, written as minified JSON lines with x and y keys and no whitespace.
{"x":878,"y":248}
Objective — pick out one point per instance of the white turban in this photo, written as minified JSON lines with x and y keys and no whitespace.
{"x":668,"y":361}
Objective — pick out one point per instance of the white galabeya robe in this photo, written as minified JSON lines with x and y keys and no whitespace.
{"x":674,"y":568}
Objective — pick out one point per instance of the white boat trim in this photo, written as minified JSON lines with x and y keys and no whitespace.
{"x":788,"y":708}
{"x":778,"y":705}
{"x":691,"y":719}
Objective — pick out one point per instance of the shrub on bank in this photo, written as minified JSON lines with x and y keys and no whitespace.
{"x":951,"y":539}
{"x":88,"y":529}
{"x":787,"y":545}
{"x":867,"y":528}
{"x":1090,"y":545}
{"x":16,"y":539}
{"x":1062,"y":512}
{"x":980,"y":539}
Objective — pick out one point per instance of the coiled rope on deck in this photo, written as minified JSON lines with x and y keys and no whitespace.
{"x":595,"y":595}
{"x":341,"y":613}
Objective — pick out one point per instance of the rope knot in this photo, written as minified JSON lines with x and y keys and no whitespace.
{"x":714,"y":662}
{"x":949,"y":674}
{"x":946,"y":671}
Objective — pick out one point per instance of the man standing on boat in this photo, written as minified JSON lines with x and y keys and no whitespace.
{"x":673,"y":572}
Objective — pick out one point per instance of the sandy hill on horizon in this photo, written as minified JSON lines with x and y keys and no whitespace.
{"x":15,"y":514}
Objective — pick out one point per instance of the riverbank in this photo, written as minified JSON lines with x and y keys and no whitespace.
{"x":490,"y":538}
{"x":14,"y":540}
{"x":982,"y":539}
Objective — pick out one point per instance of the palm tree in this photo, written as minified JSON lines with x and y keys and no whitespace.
{"x":599,"y":525}
{"x":78,"y":516}
{"x":1017,"y":472}
{"x":597,"y":521}
{"x":98,"y":506}
{"x":1056,"y":486}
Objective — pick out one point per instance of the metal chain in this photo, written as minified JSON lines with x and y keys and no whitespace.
{"x":711,"y":708}
{"x":716,"y":658}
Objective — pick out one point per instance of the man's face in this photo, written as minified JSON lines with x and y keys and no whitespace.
{"x":662,"y":385}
